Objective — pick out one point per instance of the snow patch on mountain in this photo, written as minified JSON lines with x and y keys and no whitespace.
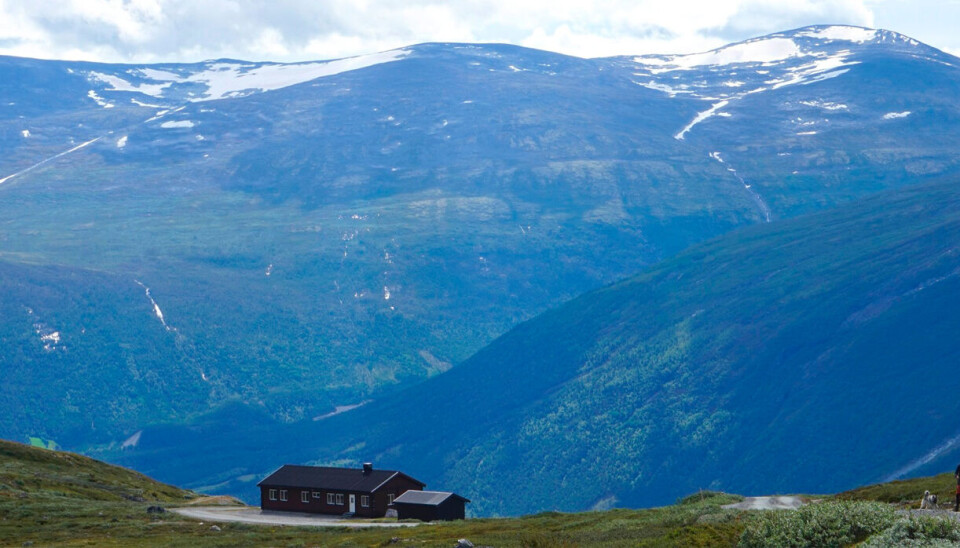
{"x":142,"y":104}
{"x":156,"y":308}
{"x":840,"y":32}
{"x":177,"y":124}
{"x":163,"y":113}
{"x":825,"y":105}
{"x":233,"y":79}
{"x":699,"y":118}
{"x":156,"y":74}
{"x":821,"y":69}
{"x":48,"y":160}
{"x":665,"y":88}
{"x":766,"y":50}
{"x":119,"y":84}
{"x":99,"y":100}
{"x":895,"y":115}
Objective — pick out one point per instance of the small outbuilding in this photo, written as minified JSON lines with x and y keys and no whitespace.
{"x":430,"y":506}
{"x":362,"y":492}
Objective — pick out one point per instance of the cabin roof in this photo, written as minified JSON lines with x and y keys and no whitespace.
{"x":336,"y":479}
{"x":426,"y":498}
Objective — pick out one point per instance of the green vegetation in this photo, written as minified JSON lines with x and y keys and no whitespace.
{"x":824,"y":524}
{"x":926,"y":531}
{"x":50,"y":497}
{"x":26,"y":471}
{"x":906,"y":492}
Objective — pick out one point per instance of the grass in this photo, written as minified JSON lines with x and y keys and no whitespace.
{"x":50,"y":497}
{"x":57,"y":498}
{"x":906,"y":492}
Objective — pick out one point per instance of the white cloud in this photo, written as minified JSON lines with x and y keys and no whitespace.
{"x":297,"y":30}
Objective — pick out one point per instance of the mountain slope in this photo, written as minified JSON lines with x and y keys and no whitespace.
{"x":784,"y":357}
{"x":789,"y":356}
{"x":320,"y":234}
{"x":308,"y":261}
{"x":786,"y":113}
{"x":28,"y":472}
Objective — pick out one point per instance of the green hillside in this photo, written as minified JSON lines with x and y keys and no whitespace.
{"x":50,"y":497}
{"x":55,"y":498}
{"x":790,"y":356}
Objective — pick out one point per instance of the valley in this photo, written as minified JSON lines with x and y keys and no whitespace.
{"x":489,"y":248}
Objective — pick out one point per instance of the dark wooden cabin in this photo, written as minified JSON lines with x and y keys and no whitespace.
{"x":430,"y":506}
{"x":362,"y":492}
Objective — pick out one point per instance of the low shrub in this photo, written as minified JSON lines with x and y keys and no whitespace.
{"x":825,"y":524}
{"x":919,"y":531}
{"x":705,"y":495}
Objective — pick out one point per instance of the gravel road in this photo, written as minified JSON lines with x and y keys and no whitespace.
{"x":767,"y":503}
{"x":252,"y":514}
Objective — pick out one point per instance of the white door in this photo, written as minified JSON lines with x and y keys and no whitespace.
{"x":353,"y":503}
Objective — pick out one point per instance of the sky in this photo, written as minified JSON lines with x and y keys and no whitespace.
{"x":145,"y":31}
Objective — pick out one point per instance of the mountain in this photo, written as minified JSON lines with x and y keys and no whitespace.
{"x":231,"y":244}
{"x":808,"y":355}
{"x":308,"y":246}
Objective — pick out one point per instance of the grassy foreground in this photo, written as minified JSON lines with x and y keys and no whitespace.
{"x":50,"y":497}
{"x":58,"y":498}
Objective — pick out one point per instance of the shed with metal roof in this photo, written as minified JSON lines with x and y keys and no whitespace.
{"x":430,"y":506}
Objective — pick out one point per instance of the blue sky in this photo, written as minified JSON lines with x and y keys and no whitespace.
{"x":299,"y":30}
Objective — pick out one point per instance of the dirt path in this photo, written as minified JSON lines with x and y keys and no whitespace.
{"x":252,"y":514}
{"x":767,"y":503}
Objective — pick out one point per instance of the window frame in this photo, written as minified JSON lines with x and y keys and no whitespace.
{"x":390,"y":498}
{"x":365,"y":501}
{"x":305,"y":497}
{"x":339,"y":499}
{"x":331,"y":499}
{"x":273,"y":494}
{"x":283,"y":495}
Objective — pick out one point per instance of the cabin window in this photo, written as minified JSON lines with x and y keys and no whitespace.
{"x":304,"y":496}
{"x":339,"y":498}
{"x":390,"y":497}
{"x":283,"y":494}
{"x":364,"y":500}
{"x":330,"y":499}
{"x":273,"y":494}
{"x":316,"y":494}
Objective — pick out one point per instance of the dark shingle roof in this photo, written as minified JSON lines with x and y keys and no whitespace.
{"x":428,"y":498}
{"x":323,"y":477}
